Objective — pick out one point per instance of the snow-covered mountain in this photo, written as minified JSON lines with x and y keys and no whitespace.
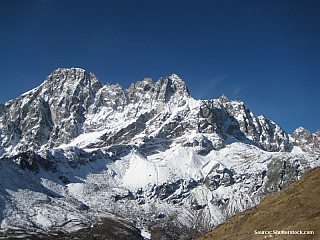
{"x":74,"y":150}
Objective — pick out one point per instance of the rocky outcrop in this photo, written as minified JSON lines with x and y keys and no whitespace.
{"x":71,"y":102}
{"x":152,"y":154}
{"x":292,"y":213}
{"x":307,"y":141}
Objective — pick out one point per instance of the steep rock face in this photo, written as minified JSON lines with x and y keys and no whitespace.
{"x":307,"y":141}
{"x":151,"y":153}
{"x":116,"y":108}
{"x":52,"y":113}
{"x":72,"y":102}
{"x":232,"y":118}
{"x":69,"y":94}
{"x":293,"y":209}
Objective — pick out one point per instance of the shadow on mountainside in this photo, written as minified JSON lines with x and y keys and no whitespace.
{"x":106,"y":228}
{"x":292,"y":209}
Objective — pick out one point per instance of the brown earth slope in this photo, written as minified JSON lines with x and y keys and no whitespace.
{"x":293,"y":209}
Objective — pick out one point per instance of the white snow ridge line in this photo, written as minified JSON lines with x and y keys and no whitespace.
{"x":80,"y":157}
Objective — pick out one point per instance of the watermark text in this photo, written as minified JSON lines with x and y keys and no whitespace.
{"x":277,"y":232}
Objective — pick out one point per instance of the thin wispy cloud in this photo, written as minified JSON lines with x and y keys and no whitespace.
{"x":237,"y":91}
{"x":204,"y":90}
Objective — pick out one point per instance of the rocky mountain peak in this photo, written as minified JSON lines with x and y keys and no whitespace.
{"x":161,"y":91}
{"x":75,"y":145}
{"x":70,"y":81}
{"x":72,"y":102}
{"x":223,"y":99}
{"x":179,"y":84}
{"x":306,"y":140}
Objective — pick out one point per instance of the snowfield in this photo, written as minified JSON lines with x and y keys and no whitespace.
{"x":177,"y":183}
{"x":74,"y":152}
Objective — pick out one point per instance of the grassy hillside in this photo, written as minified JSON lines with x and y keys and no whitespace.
{"x":293,"y":209}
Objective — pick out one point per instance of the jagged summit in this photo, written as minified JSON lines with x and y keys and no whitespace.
{"x":64,"y":79}
{"x":73,"y":150}
{"x":73,"y":75}
{"x":73,"y":102}
{"x":223,"y":99}
{"x":306,"y":140}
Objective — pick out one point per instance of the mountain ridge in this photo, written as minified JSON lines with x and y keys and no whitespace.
{"x":150,"y":153}
{"x":273,"y":217}
{"x":67,"y":96}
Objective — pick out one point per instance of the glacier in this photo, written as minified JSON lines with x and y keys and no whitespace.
{"x":74,"y":152}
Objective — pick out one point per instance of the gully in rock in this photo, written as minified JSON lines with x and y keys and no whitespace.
{"x":79,"y":158}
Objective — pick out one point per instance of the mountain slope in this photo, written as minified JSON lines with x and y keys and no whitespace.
{"x":151,"y":154}
{"x":292,"y":209}
{"x":72,"y":102}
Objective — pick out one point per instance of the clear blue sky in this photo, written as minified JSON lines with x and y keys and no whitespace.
{"x":265,"y":53}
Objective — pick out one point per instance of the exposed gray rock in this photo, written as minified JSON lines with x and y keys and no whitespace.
{"x":152,"y":154}
{"x":71,"y":102}
{"x":307,"y":141}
